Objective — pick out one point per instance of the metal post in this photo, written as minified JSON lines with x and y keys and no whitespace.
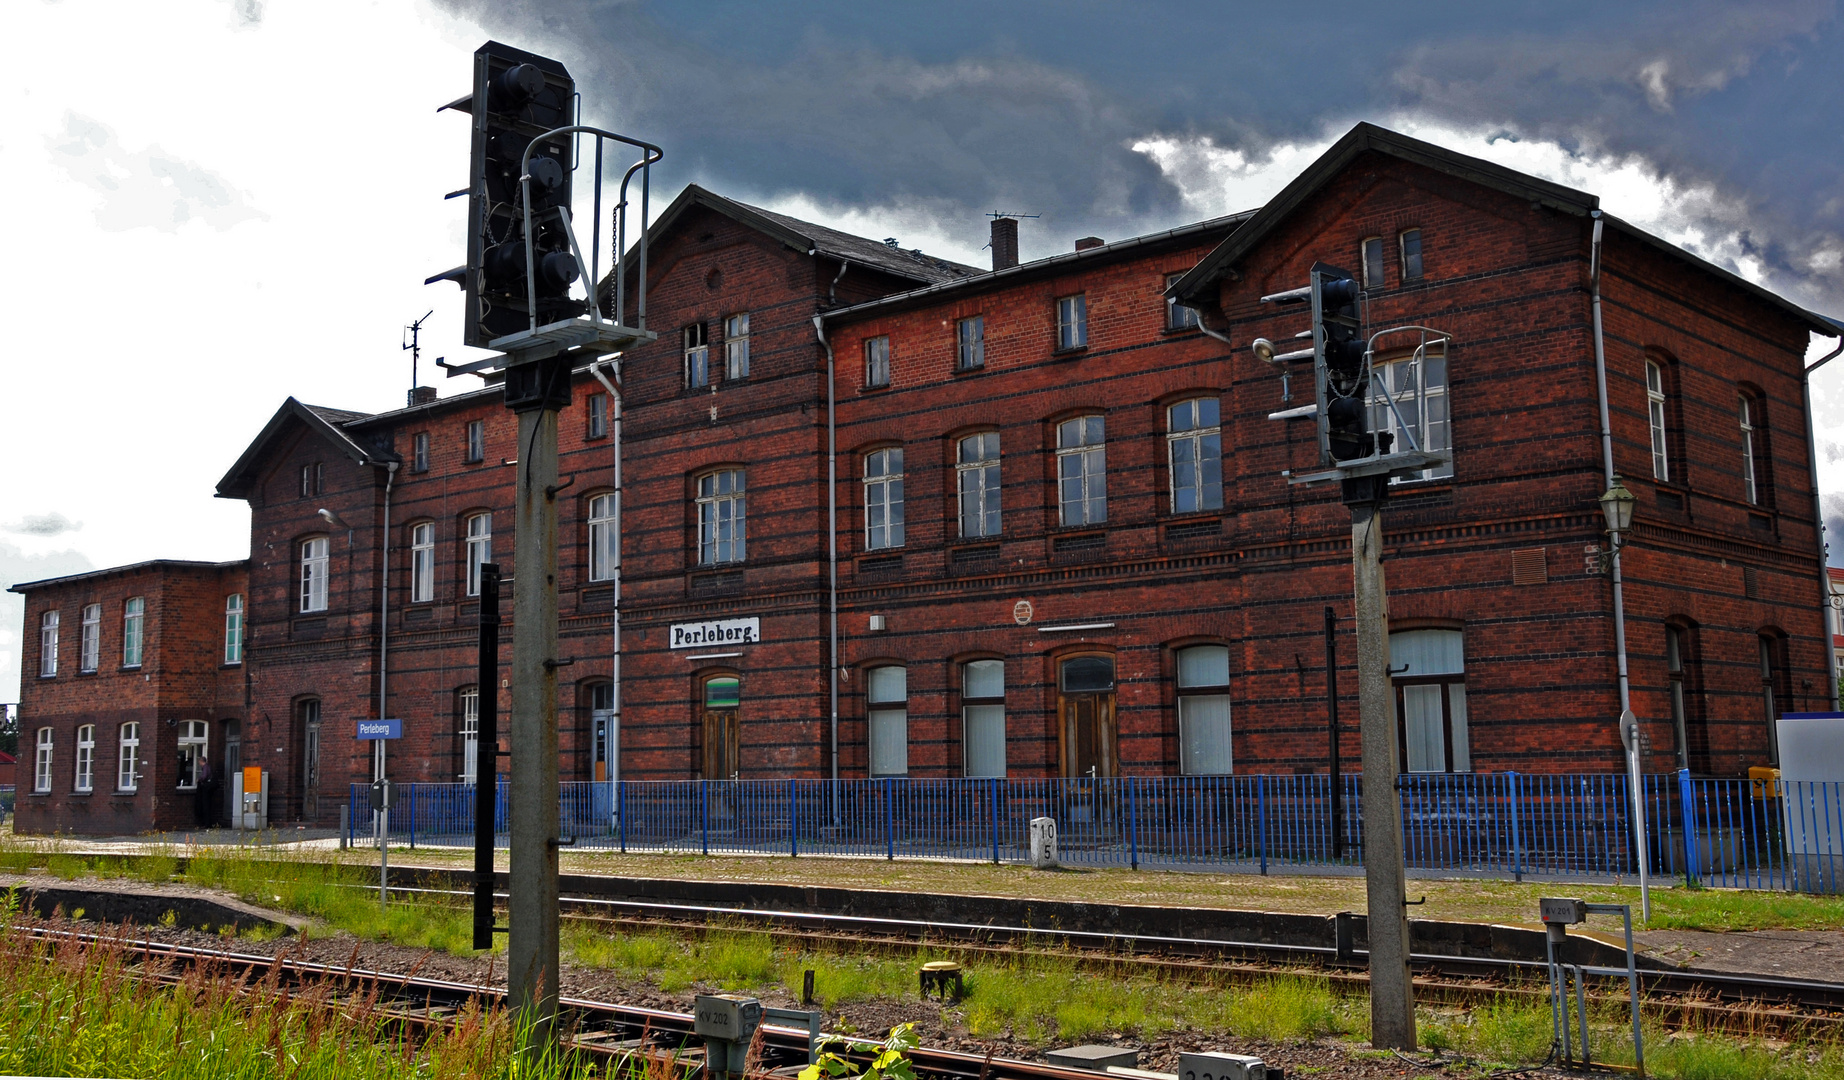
{"x":1693,"y":874}
{"x":486,"y":755}
{"x":1331,"y":714}
{"x":384,"y":853}
{"x":889,"y":819}
{"x":1133,"y":826}
{"x":793,"y":822}
{"x":1629,"y":734}
{"x":1392,"y":998}
{"x":1517,"y":830}
{"x":995,"y":821}
{"x":1261,"y":819}
{"x":531,"y":962}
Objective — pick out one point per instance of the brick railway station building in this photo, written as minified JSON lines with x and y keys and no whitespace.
{"x":1063,"y":546}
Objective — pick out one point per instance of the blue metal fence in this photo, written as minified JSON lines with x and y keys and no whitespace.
{"x":6,"y":798}
{"x":1718,"y":832}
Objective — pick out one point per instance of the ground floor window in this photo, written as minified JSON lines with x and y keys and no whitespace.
{"x":470,"y":736}
{"x":193,"y":743}
{"x":982,"y":717}
{"x":128,"y":761}
{"x":41,"y":772}
{"x":1429,"y":670}
{"x":86,"y":758}
{"x":1203,"y":711}
{"x":887,"y":709}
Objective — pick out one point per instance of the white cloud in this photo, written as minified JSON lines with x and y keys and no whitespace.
{"x":143,"y":188}
{"x":51,"y":524}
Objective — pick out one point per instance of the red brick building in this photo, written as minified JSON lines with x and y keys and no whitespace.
{"x":1063,"y":541}
{"x":133,"y":702}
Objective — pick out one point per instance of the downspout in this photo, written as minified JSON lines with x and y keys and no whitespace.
{"x":1607,"y":459}
{"x":384,"y":610}
{"x":832,"y":536}
{"x":614,"y":691}
{"x":1818,"y":519}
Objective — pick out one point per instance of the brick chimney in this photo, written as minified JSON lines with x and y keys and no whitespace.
{"x":1088,"y":242}
{"x":1004,"y":242}
{"x":421,"y":395}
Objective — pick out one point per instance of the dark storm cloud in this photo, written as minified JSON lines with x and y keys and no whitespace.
{"x":967,"y":107}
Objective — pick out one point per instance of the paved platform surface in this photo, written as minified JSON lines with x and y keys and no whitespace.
{"x":1817,"y":955}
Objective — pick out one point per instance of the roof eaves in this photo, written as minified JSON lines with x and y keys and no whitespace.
{"x":1823,"y":325}
{"x":236,"y":482}
{"x":26,"y":586}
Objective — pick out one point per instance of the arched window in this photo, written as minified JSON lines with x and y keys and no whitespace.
{"x":479,"y":549}
{"x":134,"y":626}
{"x":720,"y":517}
{"x":883,"y":498}
{"x":982,"y":712}
{"x":470,"y":735}
{"x":314,"y":574}
{"x":92,"y":638}
{"x":233,"y":628}
{"x":976,"y":478}
{"x":422,"y":562}
{"x":1194,"y":446}
{"x":1203,"y":711}
{"x":128,"y":758}
{"x":1082,"y":471}
{"x":886,"y":698}
{"x":1428,"y":668}
{"x":1773,"y":668}
{"x":48,"y":644}
{"x":1655,"y":418}
{"x":1408,"y":399}
{"x":86,"y":758}
{"x":604,"y":543}
{"x":1678,"y":687}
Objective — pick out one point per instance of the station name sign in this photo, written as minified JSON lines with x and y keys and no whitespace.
{"x":716,"y":632}
{"x":381,"y":729}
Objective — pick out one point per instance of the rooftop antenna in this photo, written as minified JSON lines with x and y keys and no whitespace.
{"x":414,"y":345}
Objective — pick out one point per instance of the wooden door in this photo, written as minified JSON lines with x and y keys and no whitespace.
{"x":1085,"y":707}
{"x":310,"y":763}
{"x":721,"y":700}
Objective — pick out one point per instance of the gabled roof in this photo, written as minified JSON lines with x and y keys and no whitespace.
{"x":815,"y":239}
{"x":129,"y":568}
{"x":1198,"y":285}
{"x":329,"y":424}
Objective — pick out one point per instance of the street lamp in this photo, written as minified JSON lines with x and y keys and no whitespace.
{"x":1617,"y":505}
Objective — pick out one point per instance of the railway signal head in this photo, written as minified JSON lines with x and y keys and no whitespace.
{"x":1341,"y":370}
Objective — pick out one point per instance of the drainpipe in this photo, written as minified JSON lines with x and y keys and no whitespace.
{"x":614,"y":690}
{"x":384,"y":609}
{"x":1818,"y":518}
{"x":1607,"y":459}
{"x":832,"y":536}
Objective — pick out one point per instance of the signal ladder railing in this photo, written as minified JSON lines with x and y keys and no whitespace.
{"x":1737,"y":833}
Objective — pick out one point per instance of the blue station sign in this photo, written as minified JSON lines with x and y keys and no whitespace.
{"x":381,"y":729}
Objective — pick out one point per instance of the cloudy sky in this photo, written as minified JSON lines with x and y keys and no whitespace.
{"x":218,"y":203}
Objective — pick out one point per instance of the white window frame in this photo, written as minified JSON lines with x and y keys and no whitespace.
{"x":1427,"y":407}
{"x":722,"y":520}
{"x":84,"y":778}
{"x":422,"y":562}
{"x":314,"y":554}
{"x":1750,"y":488}
{"x":604,"y":544}
{"x":1370,"y":257}
{"x":41,"y":760}
{"x":419,"y":452}
{"x":977,"y":483}
{"x":883,"y":498}
{"x":979,"y":710}
{"x":1655,"y":418}
{"x":194,"y":750}
{"x":1178,"y":316}
{"x":479,"y":547}
{"x":970,"y":343}
{"x":90,"y":646}
{"x":1414,"y":676}
{"x":877,"y":361}
{"x":736,"y":346}
{"x":470,"y":736}
{"x":1082,"y":471}
{"x":1195,"y":697}
{"x":134,"y":631}
{"x":233,"y":629}
{"x":1411,"y":262}
{"x":128,"y":757}
{"x":886,"y":722}
{"x":597,"y":407}
{"x":476,"y":441}
{"x":1072,"y":322}
{"x":696,"y":344}
{"x":1202,"y":444}
{"x":48,"y":644}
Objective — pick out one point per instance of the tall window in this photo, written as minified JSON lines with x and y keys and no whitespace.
{"x":1203,"y":711}
{"x":877,"y":361}
{"x":86,"y":758}
{"x":193,"y":747}
{"x":720,"y":517}
{"x":233,"y":628}
{"x":134,"y":622}
{"x":48,"y":644}
{"x":419,"y":452}
{"x":41,"y":761}
{"x":313,"y":479}
{"x":1770,"y":685}
{"x":470,"y":736}
{"x":314,"y":574}
{"x":1418,"y":388}
{"x":1178,"y":316}
{"x":883,"y":499}
{"x":887,"y":707}
{"x":1373,"y":262}
{"x":970,"y":343}
{"x":1071,"y":322}
{"x":697,"y":356}
{"x":1748,"y":482}
{"x":479,"y":549}
{"x":1655,"y":414}
{"x":597,"y":408}
{"x":128,"y":758}
{"x":976,"y":476}
{"x":1676,"y":662}
{"x":604,"y":550}
{"x":1082,"y":471}
{"x":736,"y":346}
{"x":982,"y":717}
{"x":422,"y":562}
{"x":1430,"y":700}
{"x":1194,"y":443}
{"x":476,"y":441}
{"x":1411,"y":254}
{"x":92,"y":638}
